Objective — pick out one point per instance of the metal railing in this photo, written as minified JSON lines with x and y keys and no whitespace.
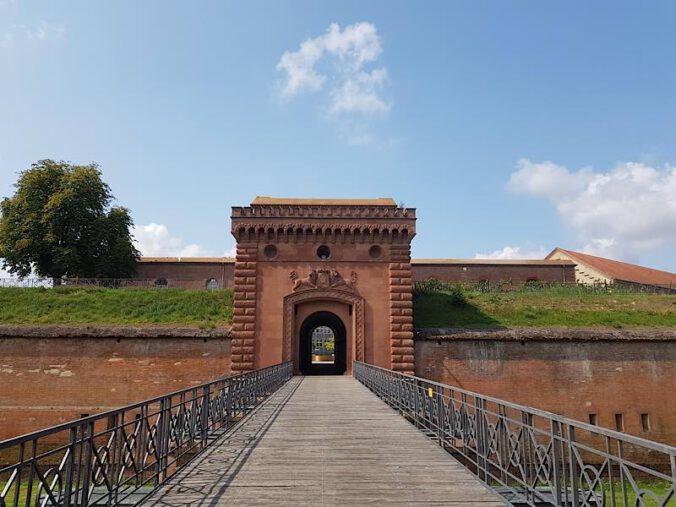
{"x":121,"y":456}
{"x":530,"y":456}
{"x":116,"y":283}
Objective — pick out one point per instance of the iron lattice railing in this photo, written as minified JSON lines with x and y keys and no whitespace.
{"x":530,"y":456}
{"x":121,"y":456}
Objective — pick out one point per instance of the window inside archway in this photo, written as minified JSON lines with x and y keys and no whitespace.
{"x":323,"y":345}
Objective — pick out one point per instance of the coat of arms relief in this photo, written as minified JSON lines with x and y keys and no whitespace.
{"x":323,"y":279}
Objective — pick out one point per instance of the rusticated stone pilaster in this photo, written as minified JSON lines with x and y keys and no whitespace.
{"x":401,"y":309}
{"x":244,"y":308}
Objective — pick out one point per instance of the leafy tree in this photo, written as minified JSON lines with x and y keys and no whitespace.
{"x":60,"y":223}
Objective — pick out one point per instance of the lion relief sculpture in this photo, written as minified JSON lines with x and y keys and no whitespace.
{"x":323,"y":279}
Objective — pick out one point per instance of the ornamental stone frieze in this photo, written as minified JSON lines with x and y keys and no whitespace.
{"x":323,"y":279}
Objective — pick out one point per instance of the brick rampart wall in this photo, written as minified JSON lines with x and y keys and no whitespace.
{"x":574,"y":378}
{"x":47,"y":381}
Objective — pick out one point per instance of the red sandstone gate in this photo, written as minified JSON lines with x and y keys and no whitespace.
{"x":299,"y":256}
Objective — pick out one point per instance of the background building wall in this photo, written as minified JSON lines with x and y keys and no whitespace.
{"x":481,"y":271}
{"x":186,"y":273}
{"x":194,"y":274}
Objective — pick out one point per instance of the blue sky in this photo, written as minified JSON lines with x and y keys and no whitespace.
{"x":512,"y":127}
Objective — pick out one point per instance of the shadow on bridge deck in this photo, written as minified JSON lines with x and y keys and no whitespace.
{"x":324,"y":441}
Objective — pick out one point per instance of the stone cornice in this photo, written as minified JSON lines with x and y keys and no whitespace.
{"x":108,"y":331}
{"x":549,"y":334}
{"x":325,"y":231}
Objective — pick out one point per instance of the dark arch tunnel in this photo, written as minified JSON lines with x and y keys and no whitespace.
{"x":312,"y":322}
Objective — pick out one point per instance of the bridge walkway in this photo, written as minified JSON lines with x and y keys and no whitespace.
{"x":324,"y":441}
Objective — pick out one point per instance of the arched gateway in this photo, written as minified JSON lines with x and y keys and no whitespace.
{"x":323,"y":266}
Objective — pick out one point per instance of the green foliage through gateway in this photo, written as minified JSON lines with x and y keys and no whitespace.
{"x":73,"y":305}
{"x":557,"y":306}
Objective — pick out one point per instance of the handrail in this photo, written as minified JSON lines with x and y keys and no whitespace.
{"x":123,"y":455}
{"x":531,"y":456}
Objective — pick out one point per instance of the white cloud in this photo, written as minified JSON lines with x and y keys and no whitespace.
{"x":230,"y":252}
{"x":624,"y":212}
{"x":3,"y":273}
{"x":154,"y":240}
{"x":514,"y":252}
{"x":352,"y":88}
{"x":43,"y":32}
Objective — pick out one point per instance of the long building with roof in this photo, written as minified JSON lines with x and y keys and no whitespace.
{"x":591,"y":270}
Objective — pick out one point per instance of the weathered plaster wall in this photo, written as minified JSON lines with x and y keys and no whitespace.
{"x":573,"y":374}
{"x":49,"y":380}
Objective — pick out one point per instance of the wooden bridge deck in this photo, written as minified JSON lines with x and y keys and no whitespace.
{"x":324,"y":441}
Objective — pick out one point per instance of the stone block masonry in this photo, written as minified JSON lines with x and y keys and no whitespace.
{"x":244,"y":309}
{"x":401,"y":309}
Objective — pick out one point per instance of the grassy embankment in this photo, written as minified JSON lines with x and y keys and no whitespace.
{"x":451,"y":307}
{"x":556,"y":306}
{"x":75,"y":306}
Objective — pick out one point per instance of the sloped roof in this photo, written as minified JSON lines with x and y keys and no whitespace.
{"x":262,"y":200}
{"x":617,"y":270}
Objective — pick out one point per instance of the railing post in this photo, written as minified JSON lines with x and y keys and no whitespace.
{"x":503,"y":442}
{"x":482,"y":438}
{"x":416,"y":403}
{"x":441,"y":417}
{"x":400,"y":397}
{"x":556,"y":460}
{"x":574,"y":469}
{"x":69,"y":467}
{"x":206,"y":406}
{"x":87,"y":441}
{"x":163,"y":438}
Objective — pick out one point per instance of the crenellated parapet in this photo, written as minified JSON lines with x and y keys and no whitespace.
{"x":326,"y":221}
{"x":268,"y":207}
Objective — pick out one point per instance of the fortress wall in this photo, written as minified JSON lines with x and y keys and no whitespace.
{"x":50,"y":380}
{"x":571,"y":377}
{"x":46,"y":379}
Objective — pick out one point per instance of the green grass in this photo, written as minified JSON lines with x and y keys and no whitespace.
{"x":557,"y":306}
{"x":471,"y":309}
{"x":659,"y":489}
{"x":73,"y":305}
